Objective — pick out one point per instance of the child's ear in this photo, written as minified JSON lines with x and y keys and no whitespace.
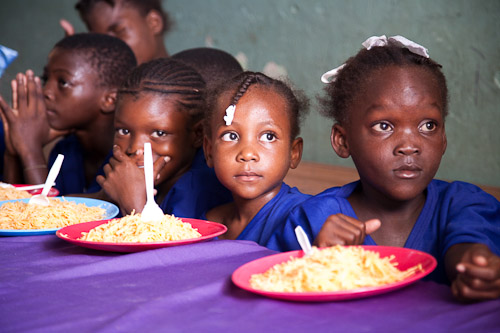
{"x":207,"y":150}
{"x":108,"y":101}
{"x":197,"y":132}
{"x":296,"y":152}
{"x":339,"y":141}
{"x":155,"y":22}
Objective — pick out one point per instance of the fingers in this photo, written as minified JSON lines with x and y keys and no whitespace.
{"x":340,"y":229}
{"x":21,"y":91}
{"x":67,"y":27}
{"x":372,"y":225}
{"x":159,"y":164}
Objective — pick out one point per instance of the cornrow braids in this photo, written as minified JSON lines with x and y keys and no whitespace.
{"x":340,"y":93}
{"x":110,"y":57}
{"x":167,"y":77}
{"x":298,"y":104}
{"x":84,"y":7}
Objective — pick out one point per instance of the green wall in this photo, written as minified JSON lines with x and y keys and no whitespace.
{"x":305,"y":38}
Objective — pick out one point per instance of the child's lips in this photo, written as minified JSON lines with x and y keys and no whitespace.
{"x":248,"y":176}
{"x":408,"y":171}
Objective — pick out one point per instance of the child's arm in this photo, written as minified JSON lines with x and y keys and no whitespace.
{"x":474,"y":271}
{"x":340,"y":229}
{"x":124,"y":182}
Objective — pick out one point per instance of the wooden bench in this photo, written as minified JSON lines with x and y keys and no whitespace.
{"x":313,"y":178}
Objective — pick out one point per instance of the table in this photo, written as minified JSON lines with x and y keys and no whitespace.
{"x":50,"y":285}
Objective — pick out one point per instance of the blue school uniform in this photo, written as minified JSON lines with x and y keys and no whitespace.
{"x":272,"y":216}
{"x":71,"y":178}
{"x":453,"y":213}
{"x":196,"y":191}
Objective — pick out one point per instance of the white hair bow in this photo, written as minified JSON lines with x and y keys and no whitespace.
{"x":228,"y":118}
{"x":400,"y":41}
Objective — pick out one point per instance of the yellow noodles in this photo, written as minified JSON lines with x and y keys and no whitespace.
{"x":60,"y":213}
{"x":332,"y":269}
{"x":9,"y":193}
{"x":131,"y":229}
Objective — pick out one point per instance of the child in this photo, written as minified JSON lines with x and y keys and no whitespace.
{"x":214,"y":65}
{"x":389,"y":103}
{"x":81,"y":78}
{"x":251,"y":140}
{"x":162,"y":102}
{"x":141,"y":24}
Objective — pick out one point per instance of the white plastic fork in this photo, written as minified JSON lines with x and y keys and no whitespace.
{"x":151,"y":210}
{"x":304,"y":242}
{"x":41,"y":199}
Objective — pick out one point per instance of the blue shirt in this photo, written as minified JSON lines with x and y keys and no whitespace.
{"x":71,"y":178}
{"x":453,"y":213}
{"x":196,"y":191}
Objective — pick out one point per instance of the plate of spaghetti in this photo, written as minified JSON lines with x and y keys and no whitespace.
{"x":17,"y":192}
{"x":131,"y":234}
{"x":18,"y":218}
{"x":334,"y":273}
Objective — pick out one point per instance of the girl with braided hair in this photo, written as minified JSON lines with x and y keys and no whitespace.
{"x":389,"y":103}
{"x":162,"y":102}
{"x":251,"y":140}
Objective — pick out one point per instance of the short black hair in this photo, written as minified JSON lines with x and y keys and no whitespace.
{"x":144,"y":7}
{"x":111,"y":57}
{"x":167,"y":77}
{"x":297,"y":101}
{"x":213,"y":64}
{"x":340,"y":93}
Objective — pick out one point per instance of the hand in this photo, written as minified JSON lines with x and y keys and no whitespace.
{"x":27,"y":128}
{"x":67,"y":27}
{"x":340,"y":229}
{"x":124,"y":181}
{"x":478,"y":275}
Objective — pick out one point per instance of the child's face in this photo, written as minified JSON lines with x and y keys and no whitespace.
{"x":71,"y":95}
{"x":156,"y":119}
{"x":395,"y":133}
{"x":126,"y":23}
{"x":253,"y":154}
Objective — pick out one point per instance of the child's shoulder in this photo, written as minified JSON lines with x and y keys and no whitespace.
{"x":459,"y":190}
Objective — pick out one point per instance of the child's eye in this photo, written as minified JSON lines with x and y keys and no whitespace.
{"x":428,"y":126}
{"x":382,"y":127}
{"x":268,"y":137}
{"x":230,"y":136}
{"x":63,"y":83}
{"x":122,"y":131}
{"x":159,"y":134}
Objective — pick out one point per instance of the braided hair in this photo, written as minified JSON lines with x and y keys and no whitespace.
{"x":110,"y":57}
{"x":167,"y":77}
{"x":298,"y":104}
{"x":341,"y":93}
{"x":84,"y":7}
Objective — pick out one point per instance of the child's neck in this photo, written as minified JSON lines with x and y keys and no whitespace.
{"x":397,"y":217}
{"x":239,"y":213}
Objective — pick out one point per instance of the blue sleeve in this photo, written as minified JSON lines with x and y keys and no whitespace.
{"x":473,"y":216}
{"x":310,"y":215}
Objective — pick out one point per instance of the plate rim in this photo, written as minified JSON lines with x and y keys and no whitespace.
{"x":334,"y":295}
{"x":122,"y":247}
{"x":34,"y":232}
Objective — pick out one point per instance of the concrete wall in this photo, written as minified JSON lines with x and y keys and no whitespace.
{"x":303,"y":39}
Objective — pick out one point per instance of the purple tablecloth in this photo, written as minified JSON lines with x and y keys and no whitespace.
{"x":49,"y":285}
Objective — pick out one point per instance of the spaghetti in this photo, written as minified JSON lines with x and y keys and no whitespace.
{"x":335,"y":268}
{"x":9,"y":193}
{"x":20,"y":215}
{"x":131,"y":229}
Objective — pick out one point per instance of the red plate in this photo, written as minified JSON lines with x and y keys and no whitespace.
{"x":207,"y":229}
{"x":406,"y":258}
{"x":53,"y":192}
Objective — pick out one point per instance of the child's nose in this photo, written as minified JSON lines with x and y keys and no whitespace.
{"x":135,"y":148}
{"x":48,"y":92}
{"x":247,"y":154}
